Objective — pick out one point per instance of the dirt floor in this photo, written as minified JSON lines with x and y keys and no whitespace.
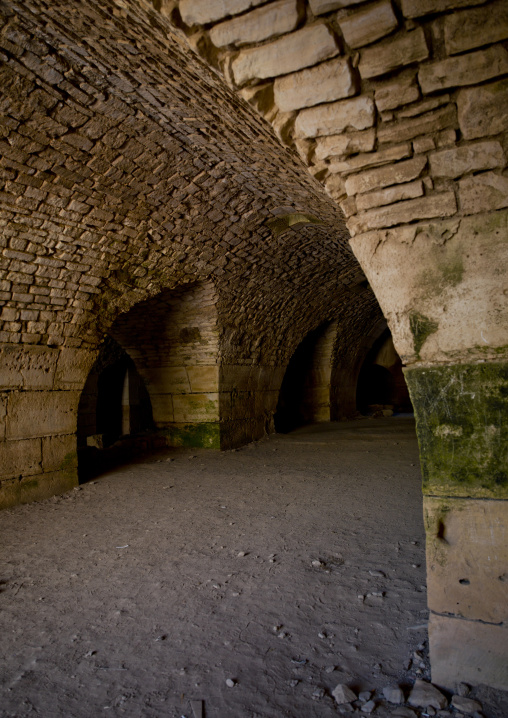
{"x":283,"y":568}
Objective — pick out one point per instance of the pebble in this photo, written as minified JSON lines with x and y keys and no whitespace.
{"x":241,"y":554}
{"x":330,"y":669}
{"x":365,"y":696}
{"x":368,"y":707}
{"x":293,"y":683}
{"x":318,"y":693}
{"x":466,"y":705}
{"x":463,"y":689}
{"x":393,"y":694}
{"x":377,"y":574}
{"x":230,"y":683}
{"x":343,"y":694}
{"x":317,"y":564}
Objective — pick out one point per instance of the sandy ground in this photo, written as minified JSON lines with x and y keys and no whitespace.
{"x":289,"y":566}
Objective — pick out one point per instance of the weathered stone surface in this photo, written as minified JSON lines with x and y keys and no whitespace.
{"x":483,"y":192}
{"x":482,"y":110}
{"x":346,"y":144}
{"x":343,"y":694}
{"x":398,"y":192}
{"x":357,"y":113}
{"x":203,"y":378}
{"x":420,"y":108}
{"x":466,"y":546}
{"x":30,"y":367}
{"x":423,"y":144}
{"x":440,"y":204}
{"x":36,"y":487}
{"x":417,"y":8}
{"x":320,"y":7}
{"x":336,"y":187}
{"x":269,"y":21}
{"x":290,"y":53}
{"x":399,"y":51}
{"x":19,"y":458}
{"x":371,"y":159}
{"x":59,"y":453}
{"x":424,"y":124}
{"x":471,"y":650}
{"x":385,"y":176}
{"x":468,"y":69}
{"x":467,"y":158}
{"x":196,"y":407}
{"x":326,"y":82}
{"x":393,"y":694}
{"x":368,"y":24}
{"x":204,"y":11}
{"x":41,"y":413}
{"x":396,"y":92}
{"x":466,"y":705}
{"x":425,"y":694}
{"x":473,"y":28}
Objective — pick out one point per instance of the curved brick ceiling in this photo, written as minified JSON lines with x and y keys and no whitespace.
{"x":129,"y":167}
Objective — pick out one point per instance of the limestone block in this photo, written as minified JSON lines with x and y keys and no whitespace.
{"x":166,"y":379}
{"x":30,"y":367}
{"x":474,"y":28}
{"x":394,"y":93}
{"x":357,"y":114}
{"x":368,"y":24}
{"x":326,"y":82}
{"x":269,"y":21}
{"x":303,"y":48}
{"x":483,"y":192}
{"x":320,"y":7}
{"x":469,"y":69}
{"x":467,"y":651}
{"x":59,"y":453}
{"x":417,"y":8}
{"x":401,"y":50}
{"x":191,"y":408}
{"x":162,"y":409}
{"x":442,"y":204}
{"x":422,"y":125}
{"x":371,"y":159}
{"x":203,"y":378}
{"x":201,"y":12}
{"x":73,"y":367}
{"x":397,"y":173}
{"x":3,"y":412}
{"x":346,"y":144}
{"x":467,"y":158}
{"x":41,"y":413}
{"x":336,"y":187}
{"x":36,"y":487}
{"x":467,"y":558}
{"x":482,"y":110}
{"x":409,"y":190}
{"x":19,"y":458}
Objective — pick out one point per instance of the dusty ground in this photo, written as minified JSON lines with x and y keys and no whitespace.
{"x":156,"y":583}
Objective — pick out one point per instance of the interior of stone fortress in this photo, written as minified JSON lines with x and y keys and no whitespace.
{"x":225,"y":220}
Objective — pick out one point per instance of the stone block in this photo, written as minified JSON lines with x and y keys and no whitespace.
{"x":326,"y":82}
{"x":413,"y":127}
{"x":392,"y":174}
{"x":201,"y":12}
{"x":303,"y":48}
{"x":473,"y":28}
{"x":203,"y":378}
{"x":396,"y":92}
{"x":3,"y":412}
{"x":205,"y":435}
{"x":467,"y":558}
{"x":36,"y":487}
{"x":482,"y":110}
{"x":467,"y":158}
{"x":166,"y":379}
{"x":471,"y":652}
{"x":371,"y":159}
{"x":418,"y":8}
{"x":41,"y":413}
{"x":28,"y":367}
{"x":162,"y":409}
{"x":346,"y":144}
{"x":409,"y":190}
{"x":272,"y":20}
{"x":59,"y":453}
{"x":335,"y":186}
{"x":469,"y":69}
{"x":320,"y":7}
{"x":19,"y":458}
{"x":403,"y":49}
{"x":442,"y":204}
{"x":192,"y":408}
{"x":73,"y":367}
{"x":357,"y":113}
{"x":368,"y":24}
{"x":483,"y":192}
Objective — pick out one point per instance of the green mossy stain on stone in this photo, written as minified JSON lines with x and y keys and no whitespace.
{"x":462,"y":425}
{"x":205,"y":435}
{"x":421,"y":328}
